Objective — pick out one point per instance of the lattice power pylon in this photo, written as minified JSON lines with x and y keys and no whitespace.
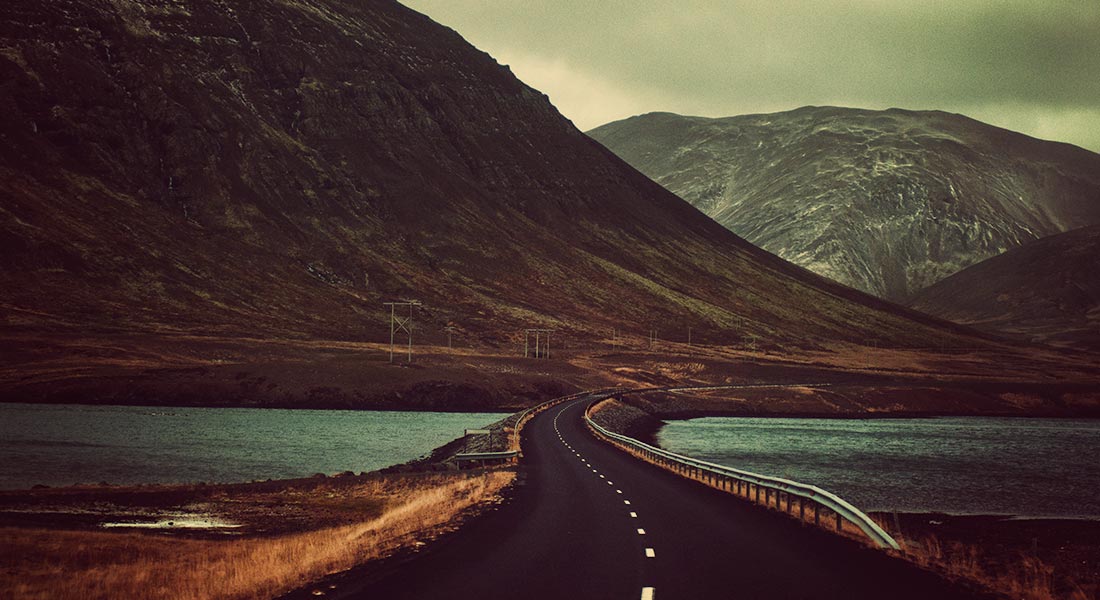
{"x":401,"y":323}
{"x":542,"y":342}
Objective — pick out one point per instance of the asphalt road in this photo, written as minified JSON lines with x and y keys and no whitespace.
{"x":590,"y":521}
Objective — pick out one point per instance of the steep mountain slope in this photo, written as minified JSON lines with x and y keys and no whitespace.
{"x":1046,"y":290}
{"x":283,"y":168}
{"x":887,"y":202}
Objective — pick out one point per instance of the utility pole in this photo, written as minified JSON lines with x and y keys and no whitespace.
{"x":689,"y":336}
{"x":450,"y":331}
{"x":400,"y":323}
{"x":652,"y":338}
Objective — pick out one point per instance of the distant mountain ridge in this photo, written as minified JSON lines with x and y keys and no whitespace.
{"x":1047,"y":290}
{"x":888,"y":202}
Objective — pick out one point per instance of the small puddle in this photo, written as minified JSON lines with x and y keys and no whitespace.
{"x":175,"y":522}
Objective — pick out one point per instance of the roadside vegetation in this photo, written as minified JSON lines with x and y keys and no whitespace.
{"x":1066,"y":571}
{"x":398,"y":511}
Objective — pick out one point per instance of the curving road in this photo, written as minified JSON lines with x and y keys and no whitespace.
{"x":591,"y":522}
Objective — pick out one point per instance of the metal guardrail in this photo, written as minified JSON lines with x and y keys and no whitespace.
{"x":513,"y":453}
{"x":747,"y":483}
{"x":528,"y":414}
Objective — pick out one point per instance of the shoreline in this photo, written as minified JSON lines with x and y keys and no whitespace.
{"x":284,"y":534}
{"x":1043,"y":556}
{"x":272,"y":538}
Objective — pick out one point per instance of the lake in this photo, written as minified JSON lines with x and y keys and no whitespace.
{"x":65,"y":444}
{"x":971,"y":465}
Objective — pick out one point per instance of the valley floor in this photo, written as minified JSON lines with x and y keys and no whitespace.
{"x":292,"y":373}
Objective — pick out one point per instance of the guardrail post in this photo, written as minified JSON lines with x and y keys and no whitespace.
{"x":801,"y":509}
{"x":839,"y":523}
{"x":817,"y":515}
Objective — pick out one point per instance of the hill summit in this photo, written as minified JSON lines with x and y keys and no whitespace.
{"x":888,"y":202}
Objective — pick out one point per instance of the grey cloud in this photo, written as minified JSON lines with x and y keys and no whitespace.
{"x":724,"y":57}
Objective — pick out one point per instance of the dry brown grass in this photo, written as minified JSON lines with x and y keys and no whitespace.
{"x":85,"y":564}
{"x":1026,"y":578}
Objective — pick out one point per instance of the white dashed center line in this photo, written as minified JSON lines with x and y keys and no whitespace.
{"x":641,"y":531}
{"x":647,"y":593}
{"x":627,"y":502}
{"x":649,"y":553}
{"x":633,"y":515}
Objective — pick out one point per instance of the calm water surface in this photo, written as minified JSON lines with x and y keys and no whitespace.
{"x":1025,"y":467}
{"x":67,"y":444}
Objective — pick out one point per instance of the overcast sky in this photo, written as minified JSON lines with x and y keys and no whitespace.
{"x":1028,"y":65}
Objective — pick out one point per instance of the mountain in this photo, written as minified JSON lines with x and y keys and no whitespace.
{"x":1046,"y":290}
{"x":888,"y":202}
{"x":213,"y":200}
{"x":195,"y":166}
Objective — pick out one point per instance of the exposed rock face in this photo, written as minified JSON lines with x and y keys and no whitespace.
{"x":887,"y":202}
{"x":1047,"y":290}
{"x":281,"y":168}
